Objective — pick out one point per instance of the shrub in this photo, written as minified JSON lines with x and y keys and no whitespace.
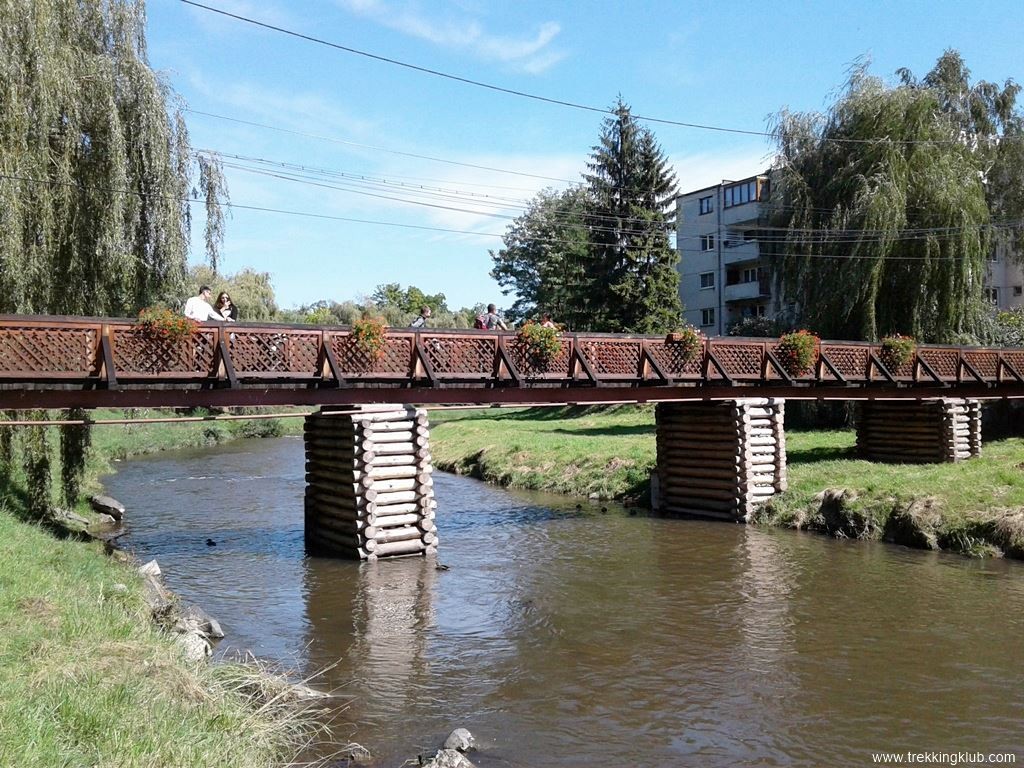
{"x":797,"y":351}
{"x":760,"y":327}
{"x":162,"y":323}
{"x":688,"y":341}
{"x":369,"y":335}
{"x":539,"y":343}
{"x":896,"y":350}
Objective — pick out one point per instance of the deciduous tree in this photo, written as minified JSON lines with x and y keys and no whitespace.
{"x":882,"y":214}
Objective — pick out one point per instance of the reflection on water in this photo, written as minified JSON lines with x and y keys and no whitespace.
{"x":564,"y":637}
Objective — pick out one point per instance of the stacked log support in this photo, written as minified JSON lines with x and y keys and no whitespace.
{"x":720,"y":460}
{"x":369,"y":483}
{"x":919,"y":432}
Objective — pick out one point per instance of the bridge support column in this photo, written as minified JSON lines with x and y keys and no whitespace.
{"x":921,"y":431}
{"x":720,"y":459}
{"x":369,"y":488}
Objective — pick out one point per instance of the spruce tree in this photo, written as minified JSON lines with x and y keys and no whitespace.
{"x":630,"y":194}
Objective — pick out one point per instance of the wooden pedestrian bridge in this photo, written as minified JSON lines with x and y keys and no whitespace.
{"x":60,"y":362}
{"x":369,"y":492}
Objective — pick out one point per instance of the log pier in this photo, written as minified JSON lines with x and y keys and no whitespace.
{"x":369,"y":484}
{"x":919,"y":432}
{"x":720,"y":459}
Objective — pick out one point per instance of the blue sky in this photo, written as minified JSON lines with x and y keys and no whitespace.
{"x":717,"y":63}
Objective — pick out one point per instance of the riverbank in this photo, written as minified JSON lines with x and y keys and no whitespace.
{"x":86,"y":677}
{"x":972,"y":508}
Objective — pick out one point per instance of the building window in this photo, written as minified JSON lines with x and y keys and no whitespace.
{"x":749,"y":275}
{"x":732,"y":238}
{"x":738,"y":194}
{"x":992,"y":294}
{"x":707,"y":279}
{"x":707,"y":242}
{"x":707,"y":204}
{"x":1018,"y":290}
{"x":993,"y":256}
{"x":707,"y":317}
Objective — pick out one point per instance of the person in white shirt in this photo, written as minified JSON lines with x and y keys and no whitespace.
{"x":198,"y":307}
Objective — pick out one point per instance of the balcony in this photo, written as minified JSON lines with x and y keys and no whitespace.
{"x":746,"y":250}
{"x":742,"y":292}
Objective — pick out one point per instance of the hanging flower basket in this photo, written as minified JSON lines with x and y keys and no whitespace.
{"x":164,"y":325}
{"x":897,"y":350}
{"x":797,"y":352}
{"x":369,"y":336}
{"x":540,"y":345}
{"x":687,"y":341}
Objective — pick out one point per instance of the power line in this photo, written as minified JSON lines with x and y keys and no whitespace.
{"x":376,"y":149}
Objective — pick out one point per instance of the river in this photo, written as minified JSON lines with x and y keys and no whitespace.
{"x":580,"y":637}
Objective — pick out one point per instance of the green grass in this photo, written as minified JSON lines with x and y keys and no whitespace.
{"x":571,"y":450}
{"x":87,"y":679}
{"x":974,"y":507}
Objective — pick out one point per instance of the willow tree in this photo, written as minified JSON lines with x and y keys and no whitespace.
{"x":882,"y":216}
{"x":95,"y":167}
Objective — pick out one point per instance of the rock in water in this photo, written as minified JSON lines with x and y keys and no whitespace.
{"x":460,"y":739}
{"x":448,"y":758}
{"x":108,"y":506}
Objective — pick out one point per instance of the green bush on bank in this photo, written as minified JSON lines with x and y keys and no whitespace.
{"x":974,"y":507}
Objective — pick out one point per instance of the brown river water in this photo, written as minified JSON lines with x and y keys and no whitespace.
{"x":565,"y":637}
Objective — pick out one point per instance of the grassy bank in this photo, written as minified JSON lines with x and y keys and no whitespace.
{"x":975,"y":507}
{"x":86,"y":678}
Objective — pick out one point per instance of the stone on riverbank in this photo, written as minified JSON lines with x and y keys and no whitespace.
{"x":448,"y":758}
{"x":196,"y":647}
{"x":460,"y":739}
{"x":194,"y":618}
{"x":107,"y":505}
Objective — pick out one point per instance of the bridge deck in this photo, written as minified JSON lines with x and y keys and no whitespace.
{"x":57,"y":362}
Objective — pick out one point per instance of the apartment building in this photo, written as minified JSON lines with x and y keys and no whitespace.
{"x":722,"y":277}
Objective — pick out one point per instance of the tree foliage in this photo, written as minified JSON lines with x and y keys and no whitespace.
{"x":631,"y":191}
{"x":884,"y":205}
{"x":409,"y":300}
{"x":598,"y":257}
{"x":94,"y":163}
{"x":95,"y":172}
{"x":545,"y":259}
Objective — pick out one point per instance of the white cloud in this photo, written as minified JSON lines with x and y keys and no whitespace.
{"x":529,"y":54}
{"x":695,"y":171}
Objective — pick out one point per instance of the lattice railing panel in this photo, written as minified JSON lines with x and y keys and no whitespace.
{"x":47,"y":350}
{"x":672,"y":359}
{"x":611,"y":357}
{"x":984,"y":361}
{"x":850,"y":361}
{"x":530,"y":367}
{"x":942,"y":361}
{"x":739,"y":359}
{"x":1016,"y":361}
{"x":452,"y":355}
{"x":273,"y":352}
{"x":394,"y":359}
{"x":137,"y":352}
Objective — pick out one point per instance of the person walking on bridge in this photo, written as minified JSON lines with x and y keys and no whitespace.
{"x":490,"y":320}
{"x":421,"y":321}
{"x":198,"y":307}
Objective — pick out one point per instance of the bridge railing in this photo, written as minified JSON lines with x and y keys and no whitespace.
{"x":110,"y":350}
